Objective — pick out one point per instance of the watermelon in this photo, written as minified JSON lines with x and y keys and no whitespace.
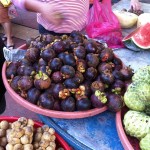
{"x":139,"y":39}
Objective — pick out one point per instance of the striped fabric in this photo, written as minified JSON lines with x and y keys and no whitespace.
{"x":75,"y":16}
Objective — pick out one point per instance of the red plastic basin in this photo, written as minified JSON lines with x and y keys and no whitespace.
{"x":59,"y":140}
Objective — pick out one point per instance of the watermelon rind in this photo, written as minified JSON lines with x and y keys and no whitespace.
{"x":131,"y":45}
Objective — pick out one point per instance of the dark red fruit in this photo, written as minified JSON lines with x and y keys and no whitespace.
{"x":97,"y":85}
{"x":78,"y":39}
{"x":91,"y":46}
{"x":106,"y":55}
{"x":71,"y":83}
{"x":115,"y":102}
{"x":117,"y":74}
{"x":67,"y":71}
{"x":69,"y":60}
{"x":48,"y":54}
{"x":98,"y":99}
{"x":46,"y":101}
{"x":33,"y":95}
{"x":107,"y":78}
{"x":68,"y":104}
{"x":50,"y":89}
{"x":91,"y":73}
{"x":57,"y":77}
{"x":11,"y":71}
{"x":92,"y":60}
{"x":56,"y":89}
{"x":42,"y":62}
{"x":104,"y":66}
{"x":59,"y":46}
{"x":47,"y":39}
{"x":75,"y":33}
{"x":57,"y":105}
{"x":80,"y":52}
{"x":45,"y":69}
{"x":127,"y":73}
{"x":79,"y":78}
{"x":32,"y":54}
{"x":26,"y":71}
{"x":25,"y":62}
{"x":14,"y":83}
{"x":83,"y":104}
{"x":55,"y":64}
{"x":25,"y":83}
{"x":118,"y":63}
{"x":42,"y":81}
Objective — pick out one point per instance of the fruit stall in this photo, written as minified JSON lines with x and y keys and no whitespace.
{"x":74,"y":92}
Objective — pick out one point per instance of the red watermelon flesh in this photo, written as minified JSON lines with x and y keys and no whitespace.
{"x":142,"y":36}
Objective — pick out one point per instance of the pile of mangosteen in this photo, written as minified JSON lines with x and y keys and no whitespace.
{"x":69,"y":73}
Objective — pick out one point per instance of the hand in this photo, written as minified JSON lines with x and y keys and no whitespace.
{"x":52,"y":13}
{"x":135,"y":4}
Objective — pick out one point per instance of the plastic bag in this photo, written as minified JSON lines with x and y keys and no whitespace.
{"x":102,"y":24}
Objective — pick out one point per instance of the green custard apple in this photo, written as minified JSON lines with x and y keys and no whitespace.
{"x":145,"y":142}
{"x":137,"y":124}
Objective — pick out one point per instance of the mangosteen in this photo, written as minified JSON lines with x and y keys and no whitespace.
{"x":69,"y":60}
{"x":50,"y":89}
{"x":33,"y":95}
{"x":91,"y":73}
{"x":92,"y":60}
{"x":57,"y":105}
{"x":73,"y":45}
{"x":26,"y":71}
{"x":86,"y":88}
{"x":58,"y":46}
{"x":83,"y":104}
{"x":32,"y":54}
{"x":127,"y":73}
{"x":81,"y":65}
{"x":42,"y":62}
{"x":118,"y":63}
{"x":106,"y":55}
{"x":57,"y":77}
{"x":47,"y":54}
{"x":102,"y":67}
{"x":36,"y":66}
{"x":25,"y":83}
{"x":80,"y":52}
{"x":117,"y":74}
{"x":114,"y":102}
{"x":75,"y":33}
{"x":91,"y":46}
{"x":78,"y":39}
{"x":71,"y":83}
{"x":25,"y":62}
{"x":118,"y":86}
{"x":55,"y":64}
{"x":98,"y":99}
{"x":46,"y":101}
{"x":56,"y":89}
{"x":61,"y":55}
{"x":47,"y":38}
{"x":14,"y":83}
{"x":68,"y":104}
{"x":42,"y":81}
{"x":67,"y":71}
{"x":11,"y":70}
{"x":45,"y":69}
{"x":79,"y":78}
{"x":97,"y":85}
{"x":107,"y":78}
{"x":28,"y":41}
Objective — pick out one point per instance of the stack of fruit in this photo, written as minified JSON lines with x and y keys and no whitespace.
{"x":69,"y":73}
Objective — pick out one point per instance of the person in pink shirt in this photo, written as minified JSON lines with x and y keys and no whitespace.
{"x":57,"y":17}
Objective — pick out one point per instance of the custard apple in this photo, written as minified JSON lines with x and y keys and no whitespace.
{"x":145,"y":142}
{"x":137,"y":124}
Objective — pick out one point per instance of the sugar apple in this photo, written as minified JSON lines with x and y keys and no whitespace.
{"x":145,"y":142}
{"x":142,"y":75}
{"x":137,"y":124}
{"x":132,"y":99}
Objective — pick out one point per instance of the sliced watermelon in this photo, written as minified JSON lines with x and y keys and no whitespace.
{"x":139,"y":39}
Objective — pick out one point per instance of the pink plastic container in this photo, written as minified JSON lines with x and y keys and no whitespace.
{"x":46,"y":112}
{"x":128,"y":142}
{"x":59,"y":141}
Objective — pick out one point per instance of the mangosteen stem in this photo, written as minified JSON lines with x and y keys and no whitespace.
{"x":101,"y":96}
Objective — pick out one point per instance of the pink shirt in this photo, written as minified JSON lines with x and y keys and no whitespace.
{"x":75,"y":15}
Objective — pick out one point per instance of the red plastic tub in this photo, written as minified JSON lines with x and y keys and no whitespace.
{"x":59,"y":140}
{"x":47,"y":112}
{"x":128,"y":142}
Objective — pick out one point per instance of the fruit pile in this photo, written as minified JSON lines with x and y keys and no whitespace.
{"x":21,"y":134}
{"x":69,"y":73}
